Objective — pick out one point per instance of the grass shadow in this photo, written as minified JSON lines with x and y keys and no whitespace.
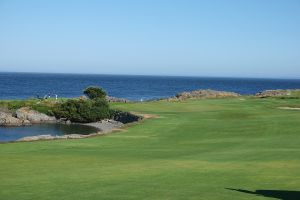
{"x":279,"y":194}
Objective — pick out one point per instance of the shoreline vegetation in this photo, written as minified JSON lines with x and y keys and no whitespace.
{"x":93,"y":110}
{"x":90,"y":110}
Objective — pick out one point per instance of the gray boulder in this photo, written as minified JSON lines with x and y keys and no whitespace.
{"x":6,"y":119}
{"x":33,"y":116}
{"x":115,"y":99}
{"x":126,"y":117}
{"x":274,"y":93}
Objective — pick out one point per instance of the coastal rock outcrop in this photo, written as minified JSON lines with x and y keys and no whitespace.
{"x":7,"y":119}
{"x":115,"y":99}
{"x":205,"y":94}
{"x":275,"y":93}
{"x":33,"y":116}
{"x":126,"y":117}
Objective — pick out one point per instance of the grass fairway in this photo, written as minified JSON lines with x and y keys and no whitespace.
{"x":193,"y":150}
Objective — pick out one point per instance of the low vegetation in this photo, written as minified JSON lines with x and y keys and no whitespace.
{"x":81,"y":110}
{"x":43,"y":106}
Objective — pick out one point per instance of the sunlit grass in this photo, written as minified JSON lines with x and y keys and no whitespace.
{"x":191,"y":150}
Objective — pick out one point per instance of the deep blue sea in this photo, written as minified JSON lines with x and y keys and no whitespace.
{"x":28,"y":85}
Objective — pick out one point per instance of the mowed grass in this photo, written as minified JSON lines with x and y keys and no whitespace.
{"x":191,"y":150}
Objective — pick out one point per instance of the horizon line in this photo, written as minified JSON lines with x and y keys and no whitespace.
{"x":153,"y":75}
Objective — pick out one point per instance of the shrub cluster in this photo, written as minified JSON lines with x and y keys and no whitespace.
{"x":85,"y":110}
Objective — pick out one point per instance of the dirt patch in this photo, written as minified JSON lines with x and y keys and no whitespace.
{"x":289,"y":108}
{"x":146,"y":116}
{"x":149,"y":116}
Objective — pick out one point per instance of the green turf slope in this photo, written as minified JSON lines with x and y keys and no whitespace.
{"x":192,"y":150}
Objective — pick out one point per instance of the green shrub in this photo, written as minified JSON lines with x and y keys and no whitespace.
{"x":94,"y":92}
{"x":83,"y":111}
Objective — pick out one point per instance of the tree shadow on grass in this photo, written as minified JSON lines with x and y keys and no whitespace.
{"x":279,"y":194}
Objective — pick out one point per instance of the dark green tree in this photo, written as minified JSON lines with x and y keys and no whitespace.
{"x":94,"y":92}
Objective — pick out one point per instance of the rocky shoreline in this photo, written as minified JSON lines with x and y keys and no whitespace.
{"x":214,"y":94}
{"x":205,"y":94}
{"x":24,"y":117}
{"x":276,"y":93}
{"x":103,"y":126}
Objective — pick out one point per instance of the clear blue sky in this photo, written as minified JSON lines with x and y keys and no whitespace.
{"x":255,"y":38}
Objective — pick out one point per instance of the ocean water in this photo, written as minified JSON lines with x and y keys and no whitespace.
{"x":28,"y":85}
